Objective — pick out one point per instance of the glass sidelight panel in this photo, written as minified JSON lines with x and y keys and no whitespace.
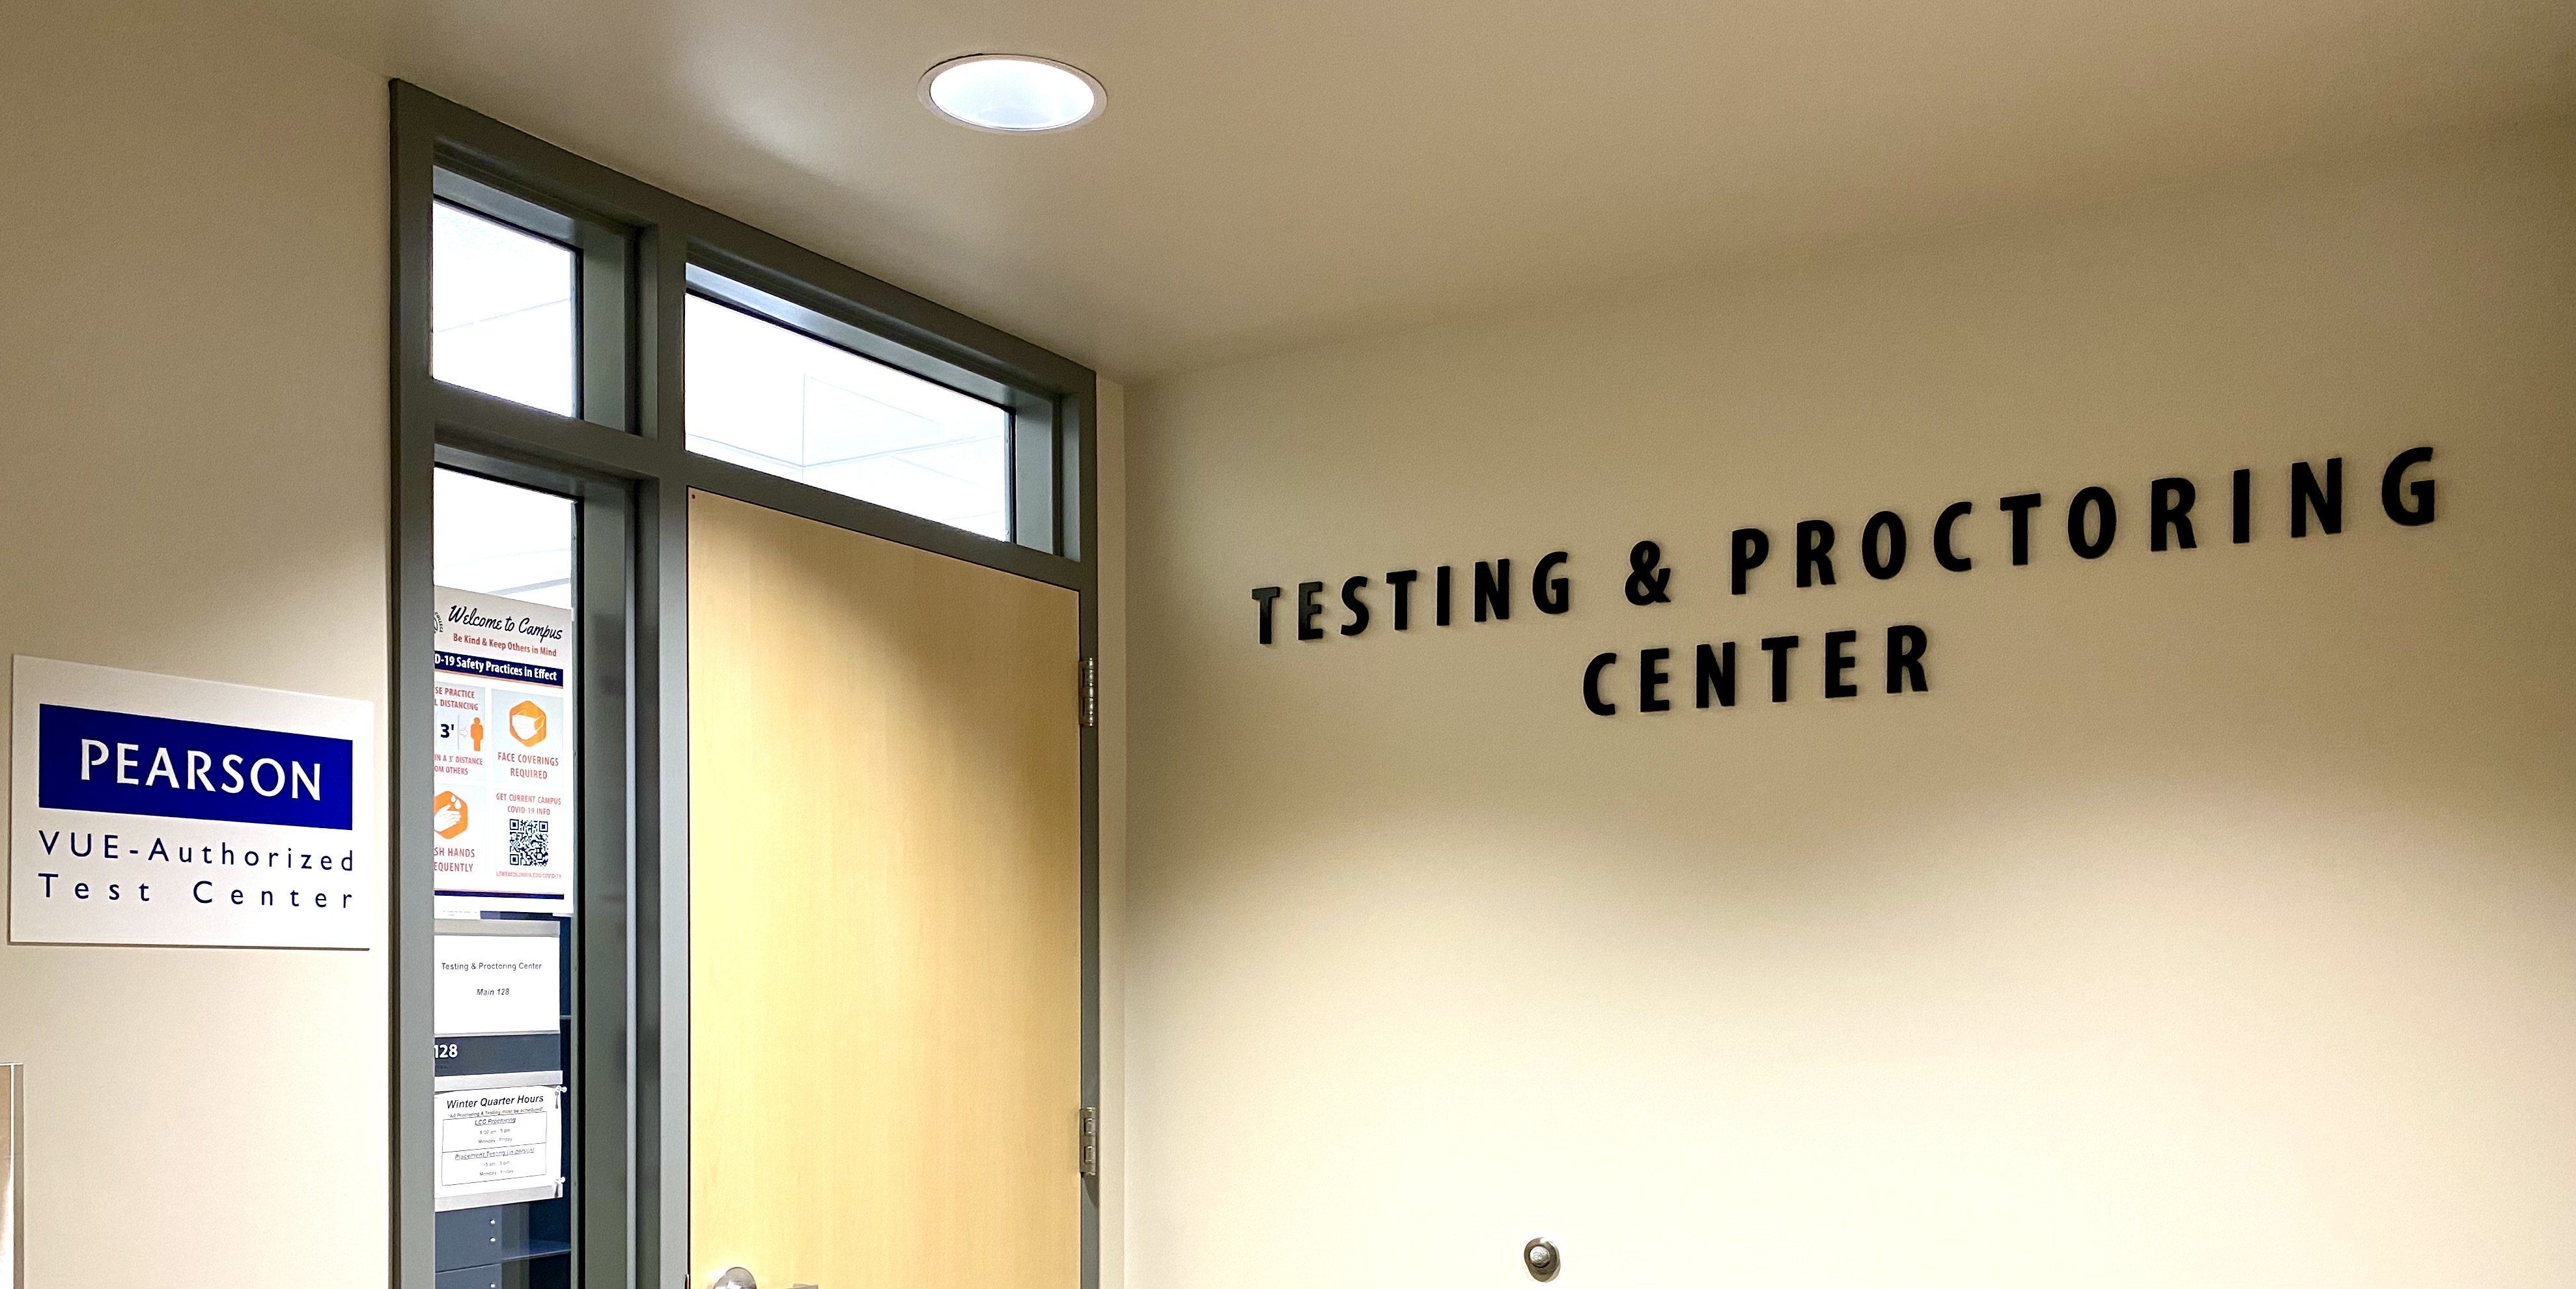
{"x":499,"y":539}
{"x":507,"y":763}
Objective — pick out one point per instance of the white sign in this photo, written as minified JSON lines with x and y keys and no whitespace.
{"x":498,"y":1146}
{"x":493,"y":978}
{"x":504,"y":712}
{"x":151,"y":809}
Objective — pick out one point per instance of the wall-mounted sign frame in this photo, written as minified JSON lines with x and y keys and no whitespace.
{"x":162,"y":810}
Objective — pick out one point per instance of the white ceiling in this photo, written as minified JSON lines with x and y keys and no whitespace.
{"x":1269,"y":175}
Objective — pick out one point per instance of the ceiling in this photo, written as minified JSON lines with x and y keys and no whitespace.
{"x":1272,"y":175}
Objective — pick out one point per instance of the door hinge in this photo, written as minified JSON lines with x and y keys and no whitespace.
{"x":1090,"y":693}
{"x":1090,"y":1141}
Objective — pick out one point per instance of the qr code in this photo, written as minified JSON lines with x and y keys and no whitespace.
{"x":531,"y":845}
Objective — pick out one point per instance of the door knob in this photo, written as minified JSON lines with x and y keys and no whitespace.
{"x":1540,"y":1256}
{"x":733,"y":1278}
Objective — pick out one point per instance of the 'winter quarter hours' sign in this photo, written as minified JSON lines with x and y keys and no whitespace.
{"x":152,"y":809}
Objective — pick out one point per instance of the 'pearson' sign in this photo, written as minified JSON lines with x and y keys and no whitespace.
{"x":161,"y":810}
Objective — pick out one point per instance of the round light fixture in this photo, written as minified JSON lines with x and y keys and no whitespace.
{"x":1012,"y":93}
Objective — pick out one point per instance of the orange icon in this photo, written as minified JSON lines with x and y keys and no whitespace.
{"x":476,"y":729}
{"x":528,"y":724}
{"x":447,"y":812}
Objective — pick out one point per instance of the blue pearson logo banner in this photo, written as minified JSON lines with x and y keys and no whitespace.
{"x":123,"y":763}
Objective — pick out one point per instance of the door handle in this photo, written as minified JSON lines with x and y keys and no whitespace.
{"x":740,"y":1278}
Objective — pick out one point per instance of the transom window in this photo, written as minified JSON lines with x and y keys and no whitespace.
{"x":501,"y":310}
{"x":784,"y":403}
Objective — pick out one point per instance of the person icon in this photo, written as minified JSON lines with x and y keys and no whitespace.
{"x":476,"y":730}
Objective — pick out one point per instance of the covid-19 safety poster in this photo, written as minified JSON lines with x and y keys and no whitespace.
{"x":505,"y":811}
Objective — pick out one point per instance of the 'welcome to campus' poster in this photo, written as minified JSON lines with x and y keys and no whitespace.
{"x":504,"y":812}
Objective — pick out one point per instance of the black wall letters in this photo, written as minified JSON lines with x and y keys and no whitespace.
{"x":2407,"y":496}
{"x":1493,"y":589}
{"x":1647,"y":583}
{"x":1650,"y":680}
{"x":1551,"y":594}
{"x":1838,"y":662}
{"x":1717,"y":674}
{"x":1713,"y":681}
{"x":1592,"y":685}
{"x":1752,"y":546}
{"x":1401,"y":581}
{"x":1941,"y":549}
{"x":2020,"y":504}
{"x":2305,"y":496}
{"x":1886,"y":529}
{"x":1905,"y":648}
{"x":1308,"y":609}
{"x":1266,"y":595}
{"x":2169,"y":508}
{"x":1779,"y":647}
{"x":1815,"y":552}
{"x":2106,"y":522}
{"x":2421,"y":512}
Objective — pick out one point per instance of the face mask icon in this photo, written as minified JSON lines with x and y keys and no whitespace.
{"x":447,"y":813}
{"x":528,"y":724}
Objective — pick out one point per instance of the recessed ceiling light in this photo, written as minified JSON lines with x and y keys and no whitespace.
{"x":1012,"y":93}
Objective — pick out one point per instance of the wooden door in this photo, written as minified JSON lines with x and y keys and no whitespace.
{"x":885,"y":912}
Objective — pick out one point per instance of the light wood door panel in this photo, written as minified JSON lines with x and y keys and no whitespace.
{"x":885,"y":912}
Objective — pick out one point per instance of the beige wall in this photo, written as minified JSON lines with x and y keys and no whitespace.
{"x":2209,"y":923}
{"x":192,"y":417}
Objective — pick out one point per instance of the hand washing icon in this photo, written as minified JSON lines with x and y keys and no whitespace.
{"x":447,"y":813}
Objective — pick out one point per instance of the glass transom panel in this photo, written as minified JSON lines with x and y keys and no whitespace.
{"x":501,"y":311}
{"x":781,"y":402}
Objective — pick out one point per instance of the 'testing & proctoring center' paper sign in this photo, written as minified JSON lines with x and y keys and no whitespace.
{"x":150,"y":809}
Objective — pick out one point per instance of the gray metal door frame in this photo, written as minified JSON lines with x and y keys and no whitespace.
{"x":625,"y":459}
